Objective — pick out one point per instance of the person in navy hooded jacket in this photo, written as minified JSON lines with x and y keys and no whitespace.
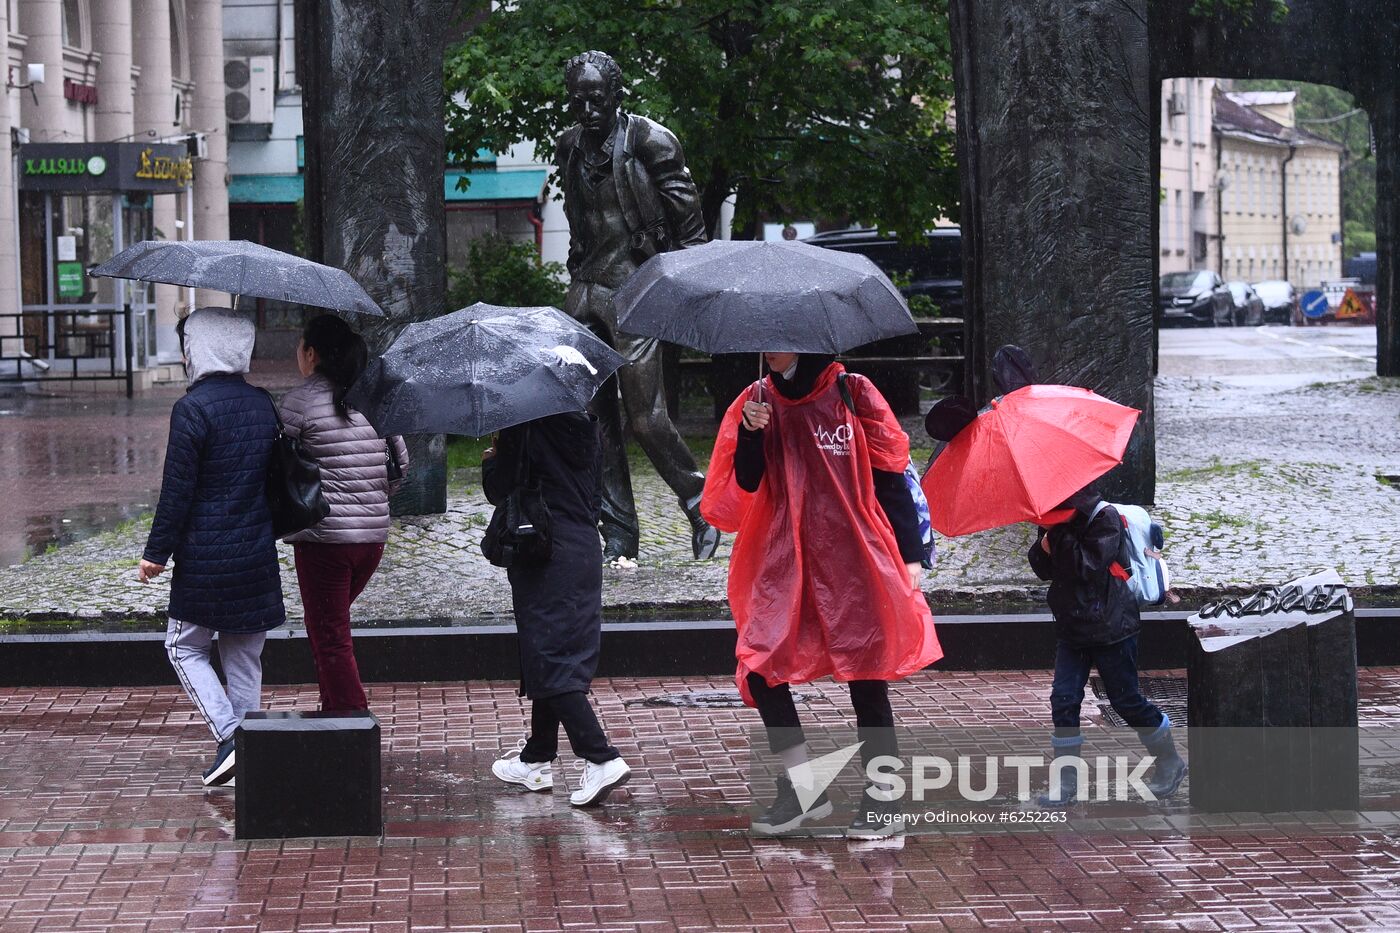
{"x":213,"y":521}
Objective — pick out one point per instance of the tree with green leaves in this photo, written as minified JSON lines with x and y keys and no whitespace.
{"x":836,"y":109}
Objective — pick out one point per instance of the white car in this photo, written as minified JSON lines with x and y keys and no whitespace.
{"x":1280,"y":300}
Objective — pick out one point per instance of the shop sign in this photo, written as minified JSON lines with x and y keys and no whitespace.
{"x":110,"y":167}
{"x":161,"y":167}
{"x":75,"y":165}
{"x":80,"y":93}
{"x":70,"y":279}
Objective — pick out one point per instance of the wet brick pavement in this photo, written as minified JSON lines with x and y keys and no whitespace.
{"x":104,"y":827}
{"x":1263,"y":476}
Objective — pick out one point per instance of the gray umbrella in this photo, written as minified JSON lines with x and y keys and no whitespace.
{"x":482,"y":369}
{"x":738,"y":296}
{"x":240,"y":268}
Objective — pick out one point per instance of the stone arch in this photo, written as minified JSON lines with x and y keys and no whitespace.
{"x":1058,"y":115}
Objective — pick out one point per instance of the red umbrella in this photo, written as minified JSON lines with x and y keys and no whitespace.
{"x":1028,"y":453}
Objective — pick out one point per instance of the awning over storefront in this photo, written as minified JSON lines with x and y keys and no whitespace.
{"x":524,"y":185}
{"x":486,"y":185}
{"x":265,"y":189}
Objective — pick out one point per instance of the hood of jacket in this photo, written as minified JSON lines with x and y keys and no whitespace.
{"x":217,"y":340}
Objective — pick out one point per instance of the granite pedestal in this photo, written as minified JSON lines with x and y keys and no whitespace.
{"x":308,"y":774}
{"x":1271,"y":682}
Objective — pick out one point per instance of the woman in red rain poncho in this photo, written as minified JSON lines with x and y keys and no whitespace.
{"x":808,"y":469}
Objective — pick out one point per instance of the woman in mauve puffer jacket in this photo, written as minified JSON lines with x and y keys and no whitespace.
{"x":336,"y":557}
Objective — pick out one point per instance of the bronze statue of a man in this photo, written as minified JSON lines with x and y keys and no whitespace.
{"x":628,"y":195}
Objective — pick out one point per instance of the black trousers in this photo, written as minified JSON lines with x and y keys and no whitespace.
{"x":870,"y":698}
{"x":575,"y":714}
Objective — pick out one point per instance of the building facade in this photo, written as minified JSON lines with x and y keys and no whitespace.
{"x":1244,"y":191}
{"x":1280,"y":207}
{"x":1186,"y":217}
{"x":92,"y":84}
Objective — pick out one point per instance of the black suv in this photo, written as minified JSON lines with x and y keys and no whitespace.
{"x":933,"y":268}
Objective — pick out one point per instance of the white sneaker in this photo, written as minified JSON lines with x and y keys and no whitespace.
{"x":531,"y":775}
{"x":598,"y":781}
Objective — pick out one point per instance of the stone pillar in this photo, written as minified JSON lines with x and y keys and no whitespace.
{"x":206,"y":31}
{"x":1385,"y":119}
{"x":371,"y":76}
{"x":154,"y":113}
{"x":42,"y":22}
{"x":1053,"y":101}
{"x":111,"y":34}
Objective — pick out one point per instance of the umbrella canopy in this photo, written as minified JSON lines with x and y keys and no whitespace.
{"x":240,"y":268}
{"x":1029,"y":452}
{"x":739,"y":296}
{"x":482,"y":369}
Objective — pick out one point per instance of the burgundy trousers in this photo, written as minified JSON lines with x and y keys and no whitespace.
{"x":330,"y":577}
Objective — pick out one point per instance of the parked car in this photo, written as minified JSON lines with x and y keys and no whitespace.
{"x":932,"y":268}
{"x":1248,"y":306}
{"x":1280,"y":301}
{"x":1197,"y":297}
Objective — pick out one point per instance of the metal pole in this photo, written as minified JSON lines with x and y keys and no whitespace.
{"x":119,"y":285}
{"x":126,"y":342}
{"x":49,"y":276}
{"x":19,"y":266}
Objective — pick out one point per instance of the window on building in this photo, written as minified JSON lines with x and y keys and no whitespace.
{"x":72,"y":14}
{"x":287,"y":57}
{"x":1179,"y":240}
{"x":179,"y":66}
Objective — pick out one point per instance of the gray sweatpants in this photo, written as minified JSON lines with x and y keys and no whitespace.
{"x":189,"y":647}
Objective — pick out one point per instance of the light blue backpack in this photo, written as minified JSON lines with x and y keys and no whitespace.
{"x":1141,"y":554}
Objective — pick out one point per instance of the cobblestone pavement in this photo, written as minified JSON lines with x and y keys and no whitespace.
{"x":104,"y":827}
{"x":1271,"y":458}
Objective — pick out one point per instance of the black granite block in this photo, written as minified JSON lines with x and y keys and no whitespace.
{"x":308,"y":774}
{"x":1272,"y":701}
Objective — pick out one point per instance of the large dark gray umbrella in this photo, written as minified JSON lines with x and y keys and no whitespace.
{"x":738,"y":296}
{"x":482,"y":369}
{"x":240,"y":268}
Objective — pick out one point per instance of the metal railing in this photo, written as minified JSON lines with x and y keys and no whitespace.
{"x":76,"y":343}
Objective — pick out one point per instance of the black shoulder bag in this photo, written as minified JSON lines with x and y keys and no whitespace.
{"x":293,"y":484}
{"x":519,"y":531}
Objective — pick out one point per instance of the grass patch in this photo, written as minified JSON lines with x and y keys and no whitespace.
{"x":1216,"y":470}
{"x":1216,"y":519}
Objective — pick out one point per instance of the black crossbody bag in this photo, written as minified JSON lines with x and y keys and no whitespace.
{"x":519,"y":531}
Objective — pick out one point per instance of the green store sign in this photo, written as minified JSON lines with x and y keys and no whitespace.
{"x":94,"y":165}
{"x":70,"y":279}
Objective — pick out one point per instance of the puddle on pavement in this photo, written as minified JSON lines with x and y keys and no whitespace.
{"x":703,"y":699}
{"x":60,"y":529}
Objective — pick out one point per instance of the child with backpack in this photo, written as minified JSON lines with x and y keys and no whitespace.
{"x":1088,"y":559}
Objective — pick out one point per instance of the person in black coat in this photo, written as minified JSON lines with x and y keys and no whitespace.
{"x":1096,"y":626}
{"x":213,"y":520}
{"x":558,"y":602}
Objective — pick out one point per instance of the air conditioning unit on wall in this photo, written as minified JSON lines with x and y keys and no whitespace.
{"x":1176,"y":105}
{"x":249,"y":89}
